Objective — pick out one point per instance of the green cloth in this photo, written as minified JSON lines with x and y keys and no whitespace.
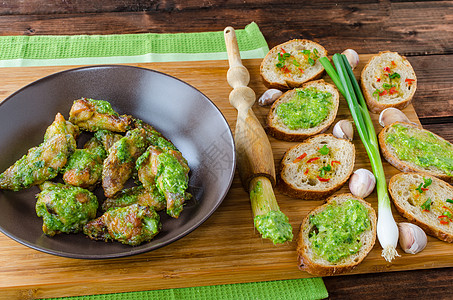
{"x":295,"y":289}
{"x":17,"y":51}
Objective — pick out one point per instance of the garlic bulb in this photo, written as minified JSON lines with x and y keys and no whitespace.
{"x":352,"y":56}
{"x":391,"y":115}
{"x":412,"y":238}
{"x":343,"y":130}
{"x":362,"y":183}
{"x":269,"y":97}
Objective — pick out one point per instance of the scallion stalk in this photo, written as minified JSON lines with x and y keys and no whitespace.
{"x":387,"y":230}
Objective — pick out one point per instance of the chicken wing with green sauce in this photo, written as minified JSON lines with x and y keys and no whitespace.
{"x":120,"y":162}
{"x":45,"y":161}
{"x":169,"y":172}
{"x":84,"y":166}
{"x":65,"y":208}
{"x":131,"y":225}
{"x":136,"y":195}
{"x":94,"y":115}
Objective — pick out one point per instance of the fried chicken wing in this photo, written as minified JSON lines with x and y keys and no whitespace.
{"x":120,"y":162}
{"x":45,"y":161}
{"x":136,"y":194}
{"x":131,"y":225}
{"x":168,"y":170}
{"x":84,"y":166}
{"x":94,"y":115}
{"x":65,"y":208}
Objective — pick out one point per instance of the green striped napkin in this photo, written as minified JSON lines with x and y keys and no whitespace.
{"x":18,"y":51}
{"x":295,"y":289}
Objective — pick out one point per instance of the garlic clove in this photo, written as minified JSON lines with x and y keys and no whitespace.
{"x":269,"y":97}
{"x":343,"y":130}
{"x":362,"y":183}
{"x":412,"y":238}
{"x":391,"y":115}
{"x":352,"y":56}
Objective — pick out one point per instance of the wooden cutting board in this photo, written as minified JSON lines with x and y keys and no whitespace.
{"x":225,"y":249}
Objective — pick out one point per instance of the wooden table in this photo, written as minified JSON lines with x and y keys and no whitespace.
{"x":420,"y":30}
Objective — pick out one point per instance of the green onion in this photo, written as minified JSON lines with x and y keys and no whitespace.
{"x":387,"y":230}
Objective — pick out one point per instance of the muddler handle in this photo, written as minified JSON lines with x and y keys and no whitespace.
{"x":253,"y":149}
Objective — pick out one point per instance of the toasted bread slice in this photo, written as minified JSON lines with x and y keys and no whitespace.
{"x":308,"y":172}
{"x":313,"y":109}
{"x":410,"y":193}
{"x":388,"y":80}
{"x":428,"y":152}
{"x":291,"y":64}
{"x":315,"y":263}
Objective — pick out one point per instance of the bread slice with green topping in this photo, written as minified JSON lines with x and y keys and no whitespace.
{"x":426,"y":201}
{"x":335,"y":237}
{"x":291,"y":64}
{"x":411,"y":148}
{"x":317,"y":167}
{"x":388,"y":80}
{"x":303,"y":112}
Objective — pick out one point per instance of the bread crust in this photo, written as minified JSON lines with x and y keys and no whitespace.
{"x":403,"y":166}
{"x":304,"y":257}
{"x":372,"y":103}
{"x":284,"y":83}
{"x":415,"y":215}
{"x":286,"y":134}
{"x":287,"y":187}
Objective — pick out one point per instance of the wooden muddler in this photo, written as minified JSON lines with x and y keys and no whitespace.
{"x":253,"y":149}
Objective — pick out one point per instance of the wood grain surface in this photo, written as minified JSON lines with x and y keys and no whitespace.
{"x":225,"y":249}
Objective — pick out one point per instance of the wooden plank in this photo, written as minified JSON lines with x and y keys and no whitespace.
{"x":367,"y":27}
{"x":225,"y":249}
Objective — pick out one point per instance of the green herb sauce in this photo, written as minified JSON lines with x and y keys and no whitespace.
{"x":173,"y":174}
{"x":337,"y":230}
{"x":421,"y":148}
{"x":103,"y":107}
{"x":275,"y":226}
{"x":307,"y":109}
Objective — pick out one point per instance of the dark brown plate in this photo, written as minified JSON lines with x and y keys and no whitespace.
{"x":178,"y":110}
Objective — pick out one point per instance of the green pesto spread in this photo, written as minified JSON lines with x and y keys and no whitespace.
{"x":421,"y":148}
{"x":307,"y":109}
{"x":338,"y":229}
{"x":275,"y":226}
{"x":103,"y":107}
{"x":173,"y":174}
{"x":65,"y":208}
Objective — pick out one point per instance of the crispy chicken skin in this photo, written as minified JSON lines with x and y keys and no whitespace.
{"x":120,"y":162}
{"x":131,"y":225}
{"x":136,"y":194}
{"x":64,"y":208}
{"x":94,"y":115}
{"x":168,"y":171}
{"x":45,"y":161}
{"x":84,"y":166}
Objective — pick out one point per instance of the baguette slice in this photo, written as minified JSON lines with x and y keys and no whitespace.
{"x":300,"y":169}
{"x":310,"y":262}
{"x":286,"y":65}
{"x":394,"y":157}
{"x":408,"y":200}
{"x":376,"y":79}
{"x":277,"y":128}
